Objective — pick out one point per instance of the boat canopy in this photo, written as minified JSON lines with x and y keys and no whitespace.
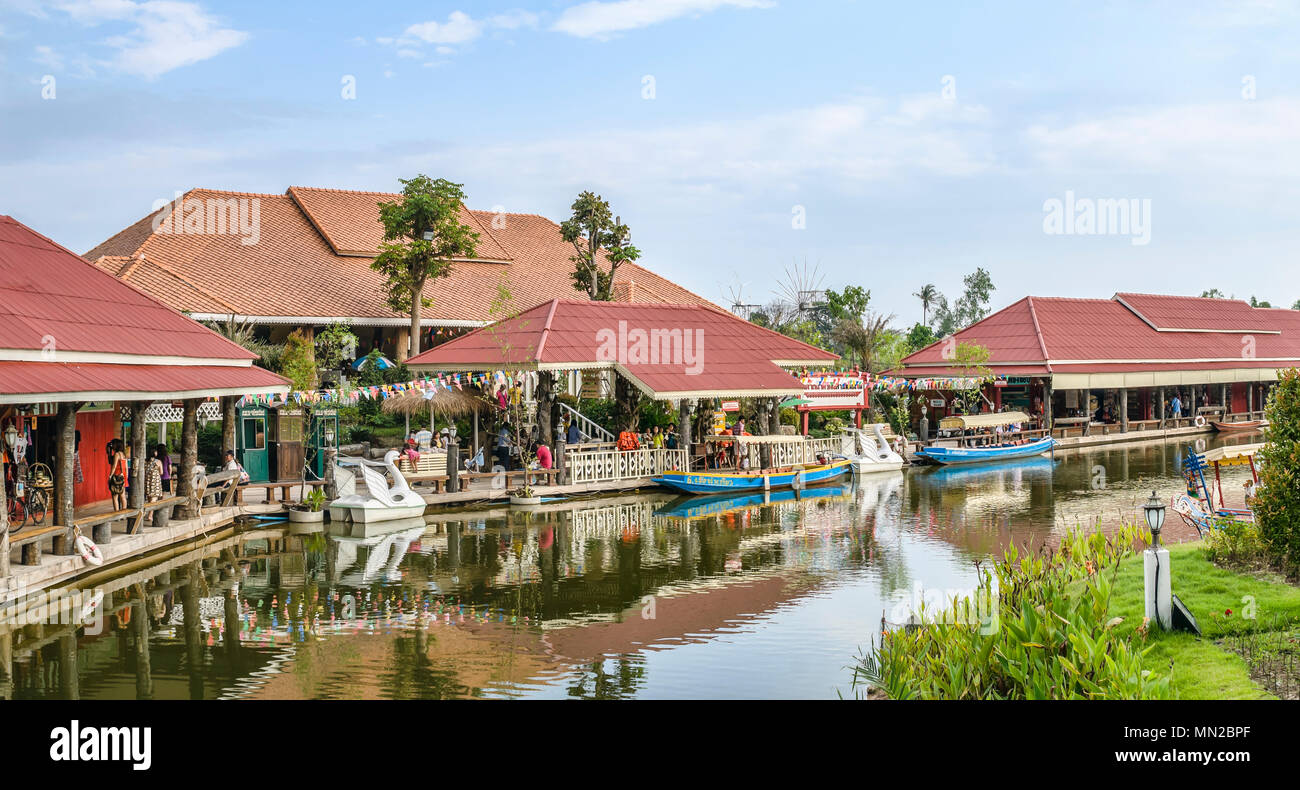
{"x":1233,"y":455}
{"x":983,"y":420}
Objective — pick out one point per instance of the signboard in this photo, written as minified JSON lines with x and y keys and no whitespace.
{"x":731,"y":405}
{"x":938,"y":403}
{"x":719,"y":422}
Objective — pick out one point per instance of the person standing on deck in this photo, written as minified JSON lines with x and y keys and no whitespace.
{"x":503,"y":446}
{"x":1176,"y":407}
{"x":574,"y":436}
{"x":117,"y":471}
{"x":165,"y":457}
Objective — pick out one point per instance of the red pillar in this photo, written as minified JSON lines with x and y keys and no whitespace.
{"x":857,"y":417}
{"x":804,"y":422}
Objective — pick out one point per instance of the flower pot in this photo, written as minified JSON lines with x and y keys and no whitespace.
{"x":306,"y":516}
{"x":525,"y":500}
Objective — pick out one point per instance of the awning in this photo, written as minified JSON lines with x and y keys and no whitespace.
{"x":983,"y":420}
{"x":1235,"y":455}
{"x":60,"y":382}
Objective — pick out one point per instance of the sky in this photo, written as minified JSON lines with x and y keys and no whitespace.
{"x":885,"y":145}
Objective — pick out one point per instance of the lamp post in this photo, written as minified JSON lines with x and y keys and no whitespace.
{"x":1157,"y":587}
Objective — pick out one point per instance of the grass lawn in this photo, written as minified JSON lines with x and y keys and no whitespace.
{"x":1200,"y":668}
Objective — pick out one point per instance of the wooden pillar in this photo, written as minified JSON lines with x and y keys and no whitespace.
{"x":193,"y":626}
{"x":803,"y":422}
{"x":140,"y":626}
{"x":1160,"y":406}
{"x":1123,"y":410}
{"x":402,"y":350}
{"x":69,"y":681}
{"x":189,"y":458}
{"x":139,"y":454}
{"x":561,"y":465}
{"x":1085,"y":399}
{"x":1250,"y":397}
{"x":4,"y":539}
{"x":64,"y":475}
{"x":545,"y":399}
{"x":1047,"y":405}
{"x":684,"y":418}
{"x":229,"y":423}
{"x":1223,"y":400}
{"x":453,"y":463}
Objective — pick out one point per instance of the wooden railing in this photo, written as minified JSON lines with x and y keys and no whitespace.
{"x":604,"y":466}
{"x":797,"y":451}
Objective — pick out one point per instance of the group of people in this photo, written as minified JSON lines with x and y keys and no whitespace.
{"x":157,"y":473}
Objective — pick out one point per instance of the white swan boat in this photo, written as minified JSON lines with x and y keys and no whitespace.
{"x":380,"y":502}
{"x":867,"y":452}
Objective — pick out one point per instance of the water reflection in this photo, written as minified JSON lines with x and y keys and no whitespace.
{"x":636,"y":596}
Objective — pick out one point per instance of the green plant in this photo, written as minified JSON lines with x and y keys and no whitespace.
{"x":1233,"y":543}
{"x":314,"y":500}
{"x":333,"y":344}
{"x":1277,"y":503}
{"x":1050,"y":637}
{"x":299,"y":361}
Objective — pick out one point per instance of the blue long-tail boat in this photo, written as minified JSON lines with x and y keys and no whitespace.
{"x":975,"y":455}
{"x":723,"y":482}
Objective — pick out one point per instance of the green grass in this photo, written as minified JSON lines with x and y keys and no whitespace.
{"x":1199,"y":668}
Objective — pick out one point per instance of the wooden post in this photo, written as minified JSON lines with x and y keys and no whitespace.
{"x":561,"y":449}
{"x":684,"y":418}
{"x":1047,"y":406}
{"x":143,"y":665}
{"x":229,"y":423}
{"x":64,"y":477}
{"x":139,"y":454}
{"x":4,"y":539}
{"x":6,"y":664}
{"x":544,"y":397}
{"x":69,"y":681}
{"x":1123,"y":410}
{"x":1085,"y":398}
{"x":453,"y":464}
{"x":1223,"y":400}
{"x":189,"y":458}
{"x":1160,"y":406}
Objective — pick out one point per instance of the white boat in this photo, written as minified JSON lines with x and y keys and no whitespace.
{"x":869,"y":453}
{"x":380,"y":502}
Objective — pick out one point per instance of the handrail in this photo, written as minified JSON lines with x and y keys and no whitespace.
{"x":586,"y":426}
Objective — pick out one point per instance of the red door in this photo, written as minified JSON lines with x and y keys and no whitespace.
{"x":96,"y":431}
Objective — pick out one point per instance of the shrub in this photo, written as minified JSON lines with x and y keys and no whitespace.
{"x":1277,"y":504}
{"x":1052,"y":636}
{"x":1236,"y":543}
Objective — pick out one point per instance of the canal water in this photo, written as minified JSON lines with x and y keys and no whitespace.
{"x":638,"y":596}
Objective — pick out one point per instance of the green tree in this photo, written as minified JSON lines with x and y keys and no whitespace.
{"x":929,"y":296}
{"x":920,"y":336}
{"x":298,"y":364}
{"x":1213,"y":293}
{"x":596,"y":233}
{"x":865,"y":340}
{"x":1256,"y":303}
{"x":333,"y":344}
{"x":973,"y":304}
{"x":851,"y":303}
{"x":423,"y":234}
{"x":970,"y":361}
{"x":1277,"y":505}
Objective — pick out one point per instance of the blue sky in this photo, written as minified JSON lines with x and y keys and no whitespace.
{"x":918,"y":140}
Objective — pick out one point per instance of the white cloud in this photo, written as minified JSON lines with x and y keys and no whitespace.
{"x":459,"y":28}
{"x":1232,"y":139}
{"x":513,"y":20}
{"x":47,"y":57}
{"x":165,"y":34}
{"x":602,"y":19}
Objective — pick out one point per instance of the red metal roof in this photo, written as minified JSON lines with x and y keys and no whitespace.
{"x":69,"y":331}
{"x":54,"y":300}
{"x":1129,"y":333}
{"x":689,"y":348}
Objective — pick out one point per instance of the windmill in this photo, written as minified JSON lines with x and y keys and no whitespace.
{"x":802,"y":288}
{"x":738,"y":306}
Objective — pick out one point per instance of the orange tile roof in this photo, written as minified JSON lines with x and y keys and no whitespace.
{"x":312,"y":261}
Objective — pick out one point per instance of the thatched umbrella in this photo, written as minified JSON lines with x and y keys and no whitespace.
{"x":449,"y":403}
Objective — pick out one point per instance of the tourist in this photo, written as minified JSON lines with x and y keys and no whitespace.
{"x":671,"y":441}
{"x":657,"y":438}
{"x":503,"y":446}
{"x":544,"y":459}
{"x":233,"y":465}
{"x":117,"y":470}
{"x":1176,"y":407}
{"x":165,"y":457}
{"x":153,"y":487}
{"x":573,"y":435}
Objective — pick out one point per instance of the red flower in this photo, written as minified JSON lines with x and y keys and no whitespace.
{"x":1228,"y":612}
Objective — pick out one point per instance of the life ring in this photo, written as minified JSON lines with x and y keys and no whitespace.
{"x":88,"y":550}
{"x":1199,"y":421}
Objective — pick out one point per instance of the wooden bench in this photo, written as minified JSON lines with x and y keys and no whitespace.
{"x":430,"y":463}
{"x":29,"y":540}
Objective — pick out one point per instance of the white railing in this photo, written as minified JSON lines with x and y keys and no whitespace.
{"x":591,"y":432}
{"x":792,"y":453}
{"x":605,"y":466}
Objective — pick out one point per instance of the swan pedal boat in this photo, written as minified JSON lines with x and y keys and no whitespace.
{"x":711,"y":482}
{"x":380,"y":503}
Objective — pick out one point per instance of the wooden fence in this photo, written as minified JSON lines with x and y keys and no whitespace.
{"x":605,"y":466}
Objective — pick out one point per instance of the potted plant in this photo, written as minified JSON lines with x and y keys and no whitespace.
{"x":524,"y":495}
{"x":311,"y":510}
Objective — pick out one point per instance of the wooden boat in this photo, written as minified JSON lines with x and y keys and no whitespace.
{"x":976,"y":455}
{"x":1244,"y":425}
{"x":717,"y":482}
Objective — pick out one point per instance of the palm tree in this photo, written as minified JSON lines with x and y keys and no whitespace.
{"x":928,"y":295}
{"x":863,"y":340}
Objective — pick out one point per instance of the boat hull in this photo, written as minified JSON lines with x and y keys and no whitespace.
{"x":1247,"y":425}
{"x":374,"y":515}
{"x":718,"y":482}
{"x":978,"y":455}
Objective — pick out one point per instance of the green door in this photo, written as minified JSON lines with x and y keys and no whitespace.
{"x":252,"y":444}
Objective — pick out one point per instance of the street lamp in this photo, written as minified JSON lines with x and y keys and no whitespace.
{"x":1154,"y":510}
{"x":11,"y":437}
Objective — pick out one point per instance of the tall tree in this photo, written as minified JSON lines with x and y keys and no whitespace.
{"x":1213,"y":293}
{"x":850,"y":303}
{"x":929,"y":296}
{"x":598,"y":238}
{"x":864,"y":339}
{"x":973,"y":304}
{"x":423,"y":234}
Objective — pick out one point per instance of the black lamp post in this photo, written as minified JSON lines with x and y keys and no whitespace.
{"x":1154,"y":510}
